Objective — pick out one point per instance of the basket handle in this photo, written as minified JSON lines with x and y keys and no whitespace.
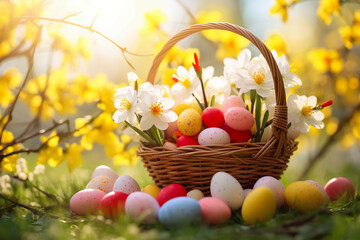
{"x":279,"y":125}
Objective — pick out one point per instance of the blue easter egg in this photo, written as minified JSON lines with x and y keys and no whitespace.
{"x":180,"y":211}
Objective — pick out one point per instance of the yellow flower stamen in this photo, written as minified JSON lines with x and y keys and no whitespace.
{"x":125,"y":104}
{"x":185,"y":82}
{"x":307,"y":110}
{"x":259,"y":77}
{"x":156,"y":108}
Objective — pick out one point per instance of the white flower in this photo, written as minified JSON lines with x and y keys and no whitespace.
{"x":290,"y":78}
{"x":21,"y":166}
{"x":126,"y":106}
{"x":154,"y":110}
{"x":5,"y":186}
{"x":39,"y":169}
{"x":232,"y":66}
{"x":257,"y":77}
{"x":219,"y":87}
{"x":302,"y":113}
{"x":186,"y":85}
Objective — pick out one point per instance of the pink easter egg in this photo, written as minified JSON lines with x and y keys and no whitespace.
{"x":86,"y":201}
{"x":172,"y":127}
{"x":142,"y":206}
{"x":214,"y":211}
{"x":275,"y":186}
{"x":213,"y":136}
{"x":233,"y":101}
{"x":126,"y":184}
{"x":239,"y":118}
{"x":339,"y":187}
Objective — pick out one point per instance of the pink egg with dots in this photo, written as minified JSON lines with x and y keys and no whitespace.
{"x":126,"y":184}
{"x":101,"y":183}
{"x":213,"y":136}
{"x":212,"y":117}
{"x":86,"y":201}
{"x":239,"y":118}
{"x":233,"y":101}
{"x":142,"y":206}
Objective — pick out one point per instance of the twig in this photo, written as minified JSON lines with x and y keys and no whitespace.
{"x":328,"y":143}
{"x":90,"y":29}
{"x":30,"y":57}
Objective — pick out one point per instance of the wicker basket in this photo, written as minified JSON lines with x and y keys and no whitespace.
{"x":194,"y":166}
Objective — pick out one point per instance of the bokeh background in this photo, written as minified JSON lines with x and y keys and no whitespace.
{"x":75,"y":73}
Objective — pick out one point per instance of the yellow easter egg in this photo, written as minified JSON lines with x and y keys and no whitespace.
{"x":152,"y":189}
{"x":189,"y":122}
{"x":259,"y":206}
{"x":303,"y":196}
{"x":183,"y":106}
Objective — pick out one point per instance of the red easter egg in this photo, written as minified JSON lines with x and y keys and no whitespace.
{"x":212,"y":117}
{"x":240,"y":136}
{"x":227,"y":128}
{"x":169,"y":192}
{"x":112,"y":205}
{"x":339,"y":187}
{"x":186,"y":140}
{"x":177,"y":134}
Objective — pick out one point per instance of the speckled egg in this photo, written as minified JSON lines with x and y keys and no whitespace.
{"x":126,"y":184}
{"x":303,"y":196}
{"x":227,"y":188}
{"x":101,"y":183}
{"x":104,"y":170}
{"x":180,"y":211}
{"x":213,"y":136}
{"x":239,"y":118}
{"x":189,"y":122}
{"x":233,"y":101}
{"x":275,"y":186}
{"x":152,"y":189}
{"x":214,"y":211}
{"x":259,"y":206}
{"x":142,"y":206}
{"x":86,"y":201}
{"x":322,"y":190}
{"x":195,"y":194}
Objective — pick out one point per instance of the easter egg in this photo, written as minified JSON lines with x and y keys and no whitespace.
{"x":239,"y":118}
{"x":189,"y":122}
{"x":172,"y":127}
{"x":339,"y":187}
{"x":212,"y":117}
{"x":183,"y":106}
{"x":152,"y":189}
{"x":171,"y":191}
{"x":142,"y":206}
{"x":186,"y":141}
{"x":112,"y":205}
{"x":126,"y":184}
{"x":240,"y":136}
{"x":227,"y":188}
{"x":101,"y":183}
{"x":214,"y":211}
{"x":213,"y":136}
{"x":259,"y":206}
{"x":180,"y":211}
{"x":195,"y":194}
{"x":322,"y":190}
{"x":275,"y":186}
{"x":86,"y":201}
{"x":170,"y":145}
{"x":103,"y":170}
{"x":233,"y":101}
{"x":247,"y":191}
{"x":303,"y":196}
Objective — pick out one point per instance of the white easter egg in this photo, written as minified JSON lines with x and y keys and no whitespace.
{"x":227,"y":188}
{"x":142,"y":206}
{"x":213,"y":135}
{"x":102,"y":183}
{"x":126,"y":184}
{"x":103,"y":170}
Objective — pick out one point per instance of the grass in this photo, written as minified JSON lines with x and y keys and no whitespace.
{"x":55,"y":221}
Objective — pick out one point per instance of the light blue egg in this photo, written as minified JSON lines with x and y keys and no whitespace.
{"x":180,"y":211}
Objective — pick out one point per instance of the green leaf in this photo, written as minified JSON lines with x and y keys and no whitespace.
{"x":264,"y":124}
{"x":252,"y":99}
{"x":258,"y":117}
{"x":212,"y":101}
{"x":141,"y":133}
{"x":200,"y":104}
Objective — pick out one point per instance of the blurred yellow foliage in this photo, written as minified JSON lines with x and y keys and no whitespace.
{"x":325,"y":60}
{"x":9,"y":163}
{"x":276,"y":42}
{"x":52,"y":153}
{"x":153,"y":20}
{"x":9,"y":81}
{"x":351,"y":34}
{"x":281,"y":7}
{"x":327,"y":8}
{"x":73,"y":156}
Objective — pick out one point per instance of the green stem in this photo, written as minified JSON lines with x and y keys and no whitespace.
{"x":199,"y":74}
{"x":258,"y":116}
{"x":252,"y":99}
{"x":156,"y":135}
{"x":141,"y":133}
